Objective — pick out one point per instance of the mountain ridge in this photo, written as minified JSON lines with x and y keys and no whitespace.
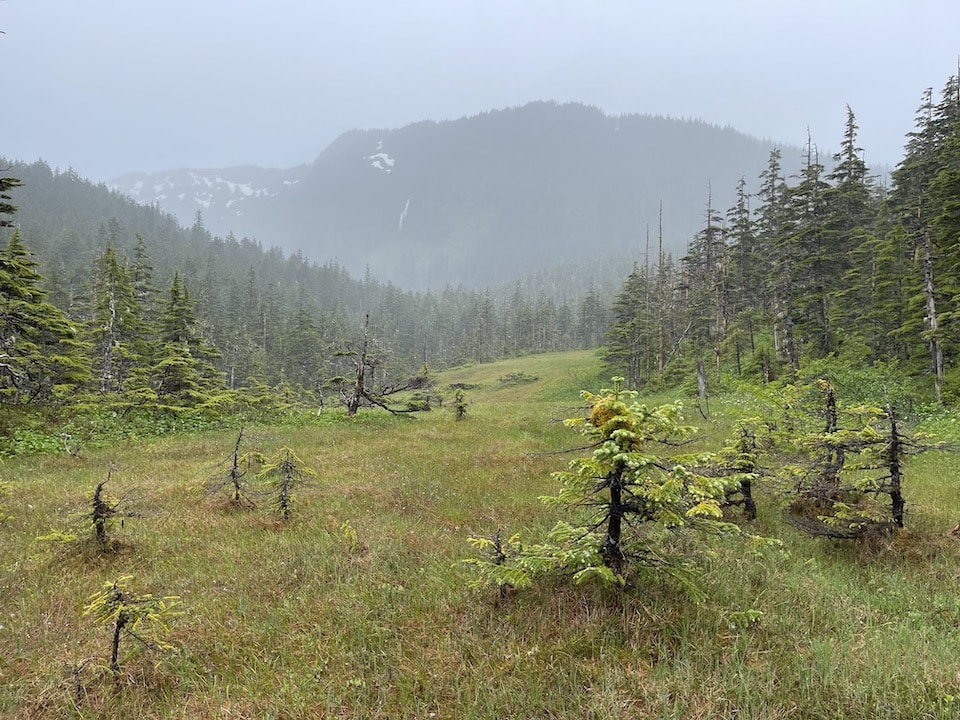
{"x":477,"y":200}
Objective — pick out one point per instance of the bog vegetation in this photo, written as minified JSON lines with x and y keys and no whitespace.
{"x":366,"y":600}
{"x":749,"y":510}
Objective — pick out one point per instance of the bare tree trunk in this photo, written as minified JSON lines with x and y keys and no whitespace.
{"x":894,"y":450}
{"x":789,"y":340}
{"x":100,"y":512}
{"x":236,"y":475}
{"x":703,"y":400}
{"x":359,"y":385}
{"x":634,"y":370}
{"x":777,"y":343}
{"x":936,"y":350}
{"x":836,"y":457}
{"x":784,"y":307}
{"x":613,"y":556}
{"x":106,"y":371}
{"x":661,"y":357}
{"x":118,"y":626}
{"x":646,"y":305}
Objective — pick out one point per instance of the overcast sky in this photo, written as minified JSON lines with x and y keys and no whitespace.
{"x":111,"y":86}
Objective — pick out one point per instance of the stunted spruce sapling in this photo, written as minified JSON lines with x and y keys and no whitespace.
{"x":234,"y":477}
{"x":142,"y":617}
{"x":96,"y":524}
{"x":626,"y":500}
{"x":285,"y":473}
{"x":858,"y":457}
{"x":460,"y":404}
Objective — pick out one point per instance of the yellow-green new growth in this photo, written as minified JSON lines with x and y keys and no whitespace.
{"x":626,"y":498}
{"x":284,"y":473}
{"x":143,"y":617}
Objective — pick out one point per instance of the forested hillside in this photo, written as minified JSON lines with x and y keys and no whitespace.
{"x":477,"y":201}
{"x":825,"y":264}
{"x":107,"y":296}
{"x":256,"y":315}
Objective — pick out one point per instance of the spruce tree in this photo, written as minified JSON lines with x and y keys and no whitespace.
{"x":41,"y":356}
{"x":628,"y":501}
{"x":706,"y":288}
{"x":117,"y":330}
{"x":871,"y":305}
{"x":810,"y":255}
{"x":591,"y":320}
{"x":774,"y":242}
{"x":631,"y":338}
{"x":852,"y":211}
{"x":141,"y":276}
{"x":930,"y":153}
{"x":7,"y":208}
{"x":183,"y":374}
{"x":850,"y":200}
{"x":302,"y":359}
{"x":750,"y":305}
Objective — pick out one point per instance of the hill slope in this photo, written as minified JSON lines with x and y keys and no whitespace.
{"x":478,"y":200}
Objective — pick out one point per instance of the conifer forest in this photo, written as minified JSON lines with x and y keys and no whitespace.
{"x":833,"y":262}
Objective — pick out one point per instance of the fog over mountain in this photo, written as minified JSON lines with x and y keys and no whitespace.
{"x":107,"y":87}
{"x":480,"y":200}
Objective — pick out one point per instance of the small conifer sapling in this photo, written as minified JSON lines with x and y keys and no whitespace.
{"x":625,"y":501}
{"x":97,"y":523}
{"x":142,"y":617}
{"x":284,"y":474}
{"x":233,"y":479}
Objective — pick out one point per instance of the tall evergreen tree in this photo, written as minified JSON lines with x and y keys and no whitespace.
{"x":706,"y":287}
{"x":872,"y":302}
{"x":545,"y":323}
{"x":591,"y":320}
{"x":774,"y":242}
{"x":117,"y":330}
{"x":183,"y":374}
{"x":302,"y":359}
{"x":749,"y":304}
{"x":631,"y":340}
{"x":928,"y":154}
{"x":851,"y":207}
{"x":850,"y":200}
{"x":811,"y":257}
{"x":41,"y":356}
{"x":6,"y":207}
{"x":141,"y":276}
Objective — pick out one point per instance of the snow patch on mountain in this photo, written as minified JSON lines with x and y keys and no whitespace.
{"x":381,"y":160}
{"x":216,"y":188}
{"x":220,"y":194}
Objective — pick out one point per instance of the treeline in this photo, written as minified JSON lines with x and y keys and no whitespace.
{"x":137,"y":306}
{"x":821,"y":264}
{"x":825,"y":264}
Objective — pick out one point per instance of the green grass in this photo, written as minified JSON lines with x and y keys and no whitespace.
{"x":359,"y":606}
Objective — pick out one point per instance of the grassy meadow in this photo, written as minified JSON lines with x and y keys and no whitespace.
{"x":359,"y":606}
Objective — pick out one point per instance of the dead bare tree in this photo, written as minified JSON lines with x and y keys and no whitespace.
{"x":360,"y":390}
